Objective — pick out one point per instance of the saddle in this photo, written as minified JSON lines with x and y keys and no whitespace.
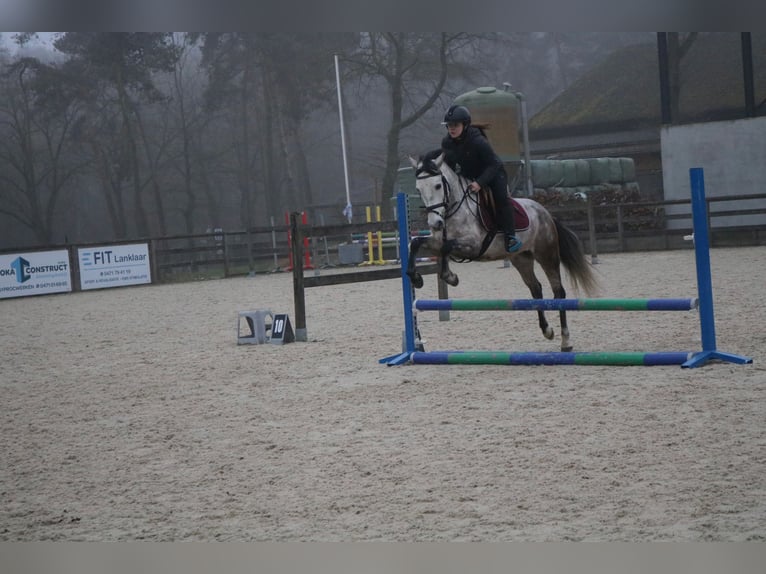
{"x":487,"y":212}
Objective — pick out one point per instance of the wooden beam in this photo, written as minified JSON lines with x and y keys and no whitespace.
{"x":360,"y":276}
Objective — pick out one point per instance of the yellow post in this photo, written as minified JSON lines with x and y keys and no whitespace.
{"x":368,"y":215}
{"x":380,"y":260}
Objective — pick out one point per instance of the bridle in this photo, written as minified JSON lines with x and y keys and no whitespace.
{"x":449,"y":208}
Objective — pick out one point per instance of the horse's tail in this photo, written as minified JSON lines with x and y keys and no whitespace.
{"x":573,"y":257}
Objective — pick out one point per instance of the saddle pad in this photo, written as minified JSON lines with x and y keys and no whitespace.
{"x":520,"y":217}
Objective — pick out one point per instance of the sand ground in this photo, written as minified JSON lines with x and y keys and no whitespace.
{"x":132,"y":414}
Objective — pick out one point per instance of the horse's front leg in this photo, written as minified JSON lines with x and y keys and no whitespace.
{"x":412,"y":272}
{"x":445,"y":272}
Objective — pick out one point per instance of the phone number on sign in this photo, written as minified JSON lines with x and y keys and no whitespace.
{"x":115,"y":272}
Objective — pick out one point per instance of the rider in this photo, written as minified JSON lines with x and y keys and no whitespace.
{"x":468,"y":152}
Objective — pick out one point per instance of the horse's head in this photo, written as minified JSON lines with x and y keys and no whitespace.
{"x":433,"y":189}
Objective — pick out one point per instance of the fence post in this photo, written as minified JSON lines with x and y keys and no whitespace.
{"x":620,"y":228}
{"x":154,"y":265}
{"x":225,"y":254}
{"x":250,"y":262}
{"x":74,"y":267}
{"x":274,"y":244}
{"x":592,"y":232}
{"x":299,"y":293}
{"x":313,"y":256}
{"x":327,"y":263}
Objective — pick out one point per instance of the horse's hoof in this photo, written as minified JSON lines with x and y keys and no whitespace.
{"x":417,"y":280}
{"x":567,"y":349}
{"x":548,"y":333}
{"x":452,"y":280}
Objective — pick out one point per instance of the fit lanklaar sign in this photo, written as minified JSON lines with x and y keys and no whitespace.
{"x":114,"y":266}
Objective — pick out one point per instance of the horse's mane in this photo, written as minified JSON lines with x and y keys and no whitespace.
{"x":428,"y":164}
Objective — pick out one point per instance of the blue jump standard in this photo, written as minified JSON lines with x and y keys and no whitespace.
{"x":704,"y":279}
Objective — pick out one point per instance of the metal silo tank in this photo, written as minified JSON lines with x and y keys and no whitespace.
{"x":500,"y":110}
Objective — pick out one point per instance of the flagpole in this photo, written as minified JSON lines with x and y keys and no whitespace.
{"x":348,"y":210}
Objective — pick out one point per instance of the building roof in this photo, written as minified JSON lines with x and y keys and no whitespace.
{"x":622,"y":94}
{"x":626,"y":142}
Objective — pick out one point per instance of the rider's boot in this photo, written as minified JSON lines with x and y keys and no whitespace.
{"x":512,"y":243}
{"x":504,"y":216}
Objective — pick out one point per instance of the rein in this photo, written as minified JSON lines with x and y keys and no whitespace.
{"x":451,"y":209}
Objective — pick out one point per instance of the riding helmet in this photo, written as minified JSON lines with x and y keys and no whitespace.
{"x":457,"y":114}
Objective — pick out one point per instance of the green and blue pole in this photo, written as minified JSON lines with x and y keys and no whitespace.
{"x":555,"y":304}
{"x":551,"y":358}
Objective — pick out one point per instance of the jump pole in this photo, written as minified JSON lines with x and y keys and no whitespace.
{"x":555,"y":304}
{"x":553,"y":358}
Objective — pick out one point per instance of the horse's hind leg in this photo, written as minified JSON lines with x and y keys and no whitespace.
{"x":524,"y":264}
{"x":553,"y":273}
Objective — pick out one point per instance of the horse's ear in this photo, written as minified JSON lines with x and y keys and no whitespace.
{"x":439,"y":161}
{"x":413,"y":162}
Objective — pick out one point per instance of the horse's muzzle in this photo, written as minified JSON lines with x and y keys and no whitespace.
{"x":435,"y":222}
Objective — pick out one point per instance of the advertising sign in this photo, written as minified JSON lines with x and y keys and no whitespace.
{"x":37,"y":273}
{"x":114,"y":266}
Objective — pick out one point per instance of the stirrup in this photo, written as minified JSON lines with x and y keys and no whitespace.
{"x":512,"y":244}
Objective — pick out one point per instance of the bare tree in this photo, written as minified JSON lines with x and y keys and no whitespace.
{"x":190,"y":122}
{"x":37,"y":163}
{"x":266,"y":83}
{"x":415,"y":68}
{"x":119,"y":66}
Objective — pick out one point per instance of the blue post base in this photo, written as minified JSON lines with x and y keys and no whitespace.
{"x":703,"y":357}
{"x":394,"y":360}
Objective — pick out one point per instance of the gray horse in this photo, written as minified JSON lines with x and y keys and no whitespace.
{"x":461,"y":229}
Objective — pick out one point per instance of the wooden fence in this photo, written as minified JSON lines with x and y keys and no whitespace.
{"x":643,"y":226}
{"x":639,"y":226}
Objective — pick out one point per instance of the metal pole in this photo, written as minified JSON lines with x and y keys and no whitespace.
{"x":529,"y":185}
{"x":527,"y":153}
{"x":747,"y":69}
{"x":662,"y":52}
{"x":348,"y":211}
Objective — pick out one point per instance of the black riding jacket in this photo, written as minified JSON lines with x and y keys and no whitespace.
{"x":472,"y":156}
